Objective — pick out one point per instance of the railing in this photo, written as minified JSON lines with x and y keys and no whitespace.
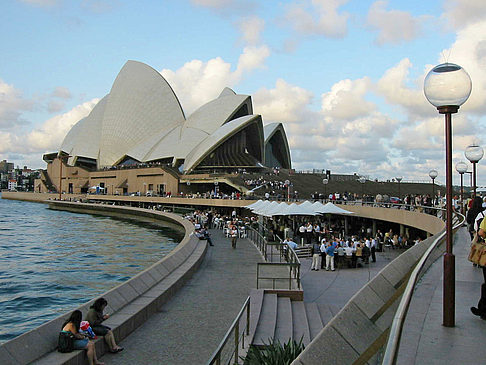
{"x":393,"y":344}
{"x":226,"y":354}
{"x":282,"y":263}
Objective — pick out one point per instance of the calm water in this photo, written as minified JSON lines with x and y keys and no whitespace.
{"x":52,"y":261}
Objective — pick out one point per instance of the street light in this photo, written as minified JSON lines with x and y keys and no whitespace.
{"x":433,"y":174}
{"x":448,"y":86}
{"x":325,"y":182}
{"x":287,"y":183}
{"x":399,"y":179}
{"x":362,"y":180}
{"x":461,"y":168}
{"x":474,"y":153}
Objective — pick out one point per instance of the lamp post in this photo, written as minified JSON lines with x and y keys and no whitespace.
{"x":287,"y":183}
{"x":325,"y":182}
{"x":474,"y":153}
{"x":362,"y":180}
{"x":448,"y":86}
{"x":433,"y":174}
{"x":461,"y":168}
{"x":399,"y":180}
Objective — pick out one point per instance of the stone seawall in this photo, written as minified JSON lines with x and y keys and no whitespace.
{"x":131,"y":303}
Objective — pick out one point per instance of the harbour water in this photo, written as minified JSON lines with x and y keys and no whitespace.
{"x":52,"y":261}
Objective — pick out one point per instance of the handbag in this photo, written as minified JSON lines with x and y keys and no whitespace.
{"x":65,"y":342}
{"x":477,"y":255}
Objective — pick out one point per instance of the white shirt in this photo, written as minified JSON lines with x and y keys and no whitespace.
{"x":302,"y":229}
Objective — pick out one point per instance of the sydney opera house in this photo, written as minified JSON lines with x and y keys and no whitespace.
{"x":140,"y":125}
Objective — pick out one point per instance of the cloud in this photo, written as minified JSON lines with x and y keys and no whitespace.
{"x":198,"y":82}
{"x":284,"y":103}
{"x":48,"y":136}
{"x":55,"y":106}
{"x":394,"y":26}
{"x":61,"y":92}
{"x":12,"y":104}
{"x":346,"y":99}
{"x":318,"y":17}
{"x":462,"y":13}
{"x":394,"y":86}
{"x":251,"y":29}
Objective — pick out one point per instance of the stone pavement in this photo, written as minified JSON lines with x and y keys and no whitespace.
{"x":331,"y":290}
{"x":191,"y":325}
{"x":424,"y":339}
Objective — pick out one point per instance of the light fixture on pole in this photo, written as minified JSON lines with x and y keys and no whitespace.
{"x":362,"y":180}
{"x":474,"y":153}
{"x":287,"y":183}
{"x":399,"y":179}
{"x":461,"y":168}
{"x":325,"y":182}
{"x":448,"y":86}
{"x":433,"y":174}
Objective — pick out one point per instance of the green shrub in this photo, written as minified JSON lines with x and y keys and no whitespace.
{"x":274,"y":353}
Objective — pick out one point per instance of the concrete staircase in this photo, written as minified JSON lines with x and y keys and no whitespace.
{"x":279,"y":317}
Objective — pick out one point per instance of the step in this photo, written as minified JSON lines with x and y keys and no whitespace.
{"x":265,"y":330}
{"x":283,"y":328}
{"x":300,"y":323}
{"x":327,"y":312}
{"x":256,"y":302}
{"x":314,"y":319}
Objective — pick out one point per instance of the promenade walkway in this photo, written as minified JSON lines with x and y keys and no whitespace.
{"x":192,"y":324}
{"x":424,"y":339}
{"x":331,"y":290}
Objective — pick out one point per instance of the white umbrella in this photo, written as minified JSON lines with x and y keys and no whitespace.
{"x":255,"y":205}
{"x":330,"y":208}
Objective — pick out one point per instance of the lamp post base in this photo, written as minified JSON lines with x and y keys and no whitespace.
{"x":449,"y":289}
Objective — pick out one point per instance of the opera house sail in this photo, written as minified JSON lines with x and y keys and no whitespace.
{"x":141,"y":121}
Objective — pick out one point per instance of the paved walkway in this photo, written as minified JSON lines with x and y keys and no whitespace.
{"x":331,"y":290}
{"x":192,"y":324}
{"x":425,"y":340}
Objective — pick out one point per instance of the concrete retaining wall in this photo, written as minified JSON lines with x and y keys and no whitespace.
{"x":361,"y":328}
{"x":131,"y":303}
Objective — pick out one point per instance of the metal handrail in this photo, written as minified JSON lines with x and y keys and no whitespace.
{"x":235,"y":326}
{"x":391,"y":352}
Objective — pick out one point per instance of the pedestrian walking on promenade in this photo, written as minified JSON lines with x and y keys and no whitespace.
{"x":233,"y":235}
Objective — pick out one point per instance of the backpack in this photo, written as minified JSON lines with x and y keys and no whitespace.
{"x":65,"y":342}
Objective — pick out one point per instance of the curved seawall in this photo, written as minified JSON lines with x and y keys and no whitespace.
{"x":130,"y":303}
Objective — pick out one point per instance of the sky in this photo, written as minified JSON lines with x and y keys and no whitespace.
{"x":345,"y":77}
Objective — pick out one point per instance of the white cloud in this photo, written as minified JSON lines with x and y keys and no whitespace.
{"x":55,"y":106}
{"x":461,"y":13}
{"x":198,"y":82}
{"x":12,"y":104}
{"x":394,"y":86}
{"x":251,"y":29}
{"x":61,"y":92}
{"x":346,"y":99}
{"x":48,"y":136}
{"x":318,"y":17}
{"x":284,"y":103}
{"x":394,"y":26}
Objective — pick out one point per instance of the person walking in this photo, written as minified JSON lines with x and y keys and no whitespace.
{"x":323,"y":252}
{"x":373,"y":249}
{"x":315,"y":256}
{"x":234,"y":235}
{"x":330,"y":256}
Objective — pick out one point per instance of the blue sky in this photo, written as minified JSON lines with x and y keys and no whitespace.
{"x":345,"y":77}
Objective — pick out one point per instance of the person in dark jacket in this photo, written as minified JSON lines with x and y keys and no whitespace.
{"x":476,"y":208}
{"x":95,"y":317}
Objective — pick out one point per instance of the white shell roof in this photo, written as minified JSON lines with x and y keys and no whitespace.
{"x":217,"y":112}
{"x":217,"y":138}
{"x":141,"y":103}
{"x":84,"y":137}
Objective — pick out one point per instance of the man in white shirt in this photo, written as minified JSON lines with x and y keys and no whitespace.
{"x":323,"y":252}
{"x":373,"y":250}
{"x":302,"y":232}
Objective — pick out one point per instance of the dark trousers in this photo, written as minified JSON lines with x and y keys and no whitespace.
{"x":323,"y":260}
{"x":373,"y":254}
